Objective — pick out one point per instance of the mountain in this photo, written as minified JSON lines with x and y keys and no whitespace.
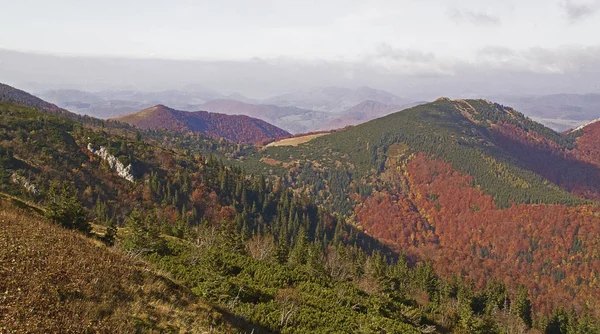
{"x":471,"y":185}
{"x":588,"y":139}
{"x":335,"y":99}
{"x":591,"y":126}
{"x":108,"y":104}
{"x":295,"y":120}
{"x":350,"y":106}
{"x":236,"y":128}
{"x":559,"y":111}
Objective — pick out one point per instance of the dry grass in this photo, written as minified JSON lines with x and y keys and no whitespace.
{"x":56,"y":280}
{"x":295,"y":141}
{"x":270,"y":162}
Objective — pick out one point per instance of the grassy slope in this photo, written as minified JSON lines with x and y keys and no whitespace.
{"x":57,"y":280}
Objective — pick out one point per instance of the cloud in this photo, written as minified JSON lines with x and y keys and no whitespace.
{"x":385,"y":50}
{"x":576,"y":11}
{"x":496,"y":52}
{"x":407,"y":72}
{"x":562,"y":60}
{"x":403,"y":61}
{"x":474,"y":17}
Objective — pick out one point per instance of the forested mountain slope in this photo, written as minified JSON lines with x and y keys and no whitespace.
{"x":236,"y":128}
{"x":474,"y":186}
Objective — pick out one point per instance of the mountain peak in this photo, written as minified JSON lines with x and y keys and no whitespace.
{"x":236,"y":128}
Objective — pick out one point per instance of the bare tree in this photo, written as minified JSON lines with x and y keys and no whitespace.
{"x":338,"y":263}
{"x":288,"y":300}
{"x":261,"y":247}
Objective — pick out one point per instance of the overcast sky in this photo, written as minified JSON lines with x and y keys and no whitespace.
{"x":413,"y":39}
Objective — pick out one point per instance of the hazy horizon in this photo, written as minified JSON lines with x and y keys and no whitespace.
{"x":416,"y":50}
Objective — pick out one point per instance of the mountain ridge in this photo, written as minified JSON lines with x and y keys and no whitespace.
{"x":14,"y":95}
{"x":471,"y":185}
{"x":236,"y":128}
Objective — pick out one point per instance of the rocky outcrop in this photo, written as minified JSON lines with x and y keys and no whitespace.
{"x":20,"y":180}
{"x":113,"y":162}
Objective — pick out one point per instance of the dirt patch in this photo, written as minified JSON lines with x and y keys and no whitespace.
{"x":296,"y":140}
{"x":270,"y":162}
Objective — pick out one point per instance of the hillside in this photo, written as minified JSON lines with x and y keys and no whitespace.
{"x":236,"y":128}
{"x":55,"y":280}
{"x":588,"y":139}
{"x":469,"y":134}
{"x":16,"y":96}
{"x":474,"y":186}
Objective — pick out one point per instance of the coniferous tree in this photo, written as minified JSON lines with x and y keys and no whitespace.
{"x":522,"y":306}
{"x":111,"y":233}
{"x":63,"y":207}
{"x":144,"y":236}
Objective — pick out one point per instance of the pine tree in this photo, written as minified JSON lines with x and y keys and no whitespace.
{"x":111,"y":233}
{"x":144,"y":236}
{"x":63,"y":207}
{"x":299,"y":253}
{"x":522,"y":306}
{"x":136,"y":240}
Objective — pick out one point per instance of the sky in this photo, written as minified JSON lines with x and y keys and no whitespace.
{"x":349,"y":38}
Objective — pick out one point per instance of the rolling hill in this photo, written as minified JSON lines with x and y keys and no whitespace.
{"x":235,"y":128}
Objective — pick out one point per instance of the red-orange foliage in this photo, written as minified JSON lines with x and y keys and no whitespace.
{"x":552,"y":249}
{"x":236,"y":128}
{"x":588,"y":148}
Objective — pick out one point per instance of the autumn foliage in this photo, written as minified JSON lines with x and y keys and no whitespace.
{"x":438,"y":215}
{"x":235,"y":128}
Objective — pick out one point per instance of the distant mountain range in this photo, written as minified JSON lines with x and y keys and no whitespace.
{"x":236,"y":128}
{"x":558,"y":111}
{"x":363,"y":112}
{"x":318,"y":109}
{"x":336,"y":99}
